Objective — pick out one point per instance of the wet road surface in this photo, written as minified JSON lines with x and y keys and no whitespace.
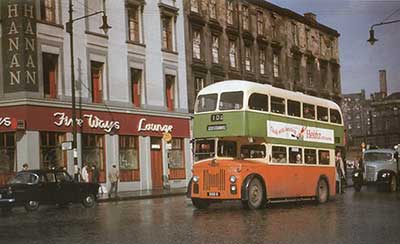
{"x":366,"y":217}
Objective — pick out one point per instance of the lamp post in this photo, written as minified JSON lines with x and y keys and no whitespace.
{"x":372,"y":38}
{"x":69,"y":28}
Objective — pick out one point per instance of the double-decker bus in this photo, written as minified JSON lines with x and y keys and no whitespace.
{"x":257,"y":143}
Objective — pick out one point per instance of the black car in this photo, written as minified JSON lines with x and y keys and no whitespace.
{"x":34,"y":187}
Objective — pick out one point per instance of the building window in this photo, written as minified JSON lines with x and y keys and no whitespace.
{"x":310,"y":71}
{"x":230,"y":11}
{"x":134,"y":23}
{"x":215,"y":49}
{"x":93,"y":153}
{"x":324,"y":75}
{"x":307,"y":38}
{"x":50,"y":64}
{"x":245,"y":17}
{"x":96,"y":69}
{"x":94,"y":21}
{"x":167,"y":32}
{"x":295,"y":34}
{"x":194,"y":6}
{"x":335,"y":77}
{"x":196,"y":44}
{"x":51,"y":154}
{"x":260,"y":23}
{"x":199,"y":84}
{"x":8,"y":152}
{"x":213,"y":9}
{"x":275,"y":58}
{"x":232,"y":54}
{"x":136,"y":83}
{"x":262,"y":61}
{"x":170,"y":92}
{"x":321,"y":38}
{"x":48,"y":10}
{"x":248,"y":63}
{"x":274,"y":26}
{"x":128,"y":158}
{"x":296,"y":68}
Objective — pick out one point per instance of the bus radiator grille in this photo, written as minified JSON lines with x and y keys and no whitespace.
{"x":214,"y":180}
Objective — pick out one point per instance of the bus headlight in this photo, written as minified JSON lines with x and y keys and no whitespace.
{"x":232,"y":179}
{"x":195,"y":179}
{"x":356,"y":174}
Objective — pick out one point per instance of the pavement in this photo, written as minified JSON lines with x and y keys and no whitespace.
{"x":143,"y":194}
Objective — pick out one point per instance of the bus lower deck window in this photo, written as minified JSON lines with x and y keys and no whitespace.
{"x":279,"y":155}
{"x":310,"y":156}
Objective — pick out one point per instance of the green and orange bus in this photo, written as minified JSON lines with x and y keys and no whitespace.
{"x":257,"y":143}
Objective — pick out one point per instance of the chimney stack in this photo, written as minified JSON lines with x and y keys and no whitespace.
{"x":383,"y":82}
{"x":311,"y":16}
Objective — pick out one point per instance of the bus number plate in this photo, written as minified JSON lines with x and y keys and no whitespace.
{"x":217,"y":117}
{"x":213,"y":194}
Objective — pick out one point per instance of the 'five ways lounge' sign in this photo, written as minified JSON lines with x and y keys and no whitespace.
{"x":299,"y":132}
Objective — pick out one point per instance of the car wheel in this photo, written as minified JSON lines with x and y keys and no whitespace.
{"x":89,"y":201}
{"x":322,"y":191}
{"x":357,"y":187}
{"x":200,"y":203}
{"x":393,"y":184}
{"x":31,"y":205}
{"x":255,"y":193}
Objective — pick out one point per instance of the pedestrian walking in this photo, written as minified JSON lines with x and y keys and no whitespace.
{"x":85,"y":174}
{"x":96,"y":177}
{"x":77,"y":173}
{"x":340,"y":173}
{"x":113,"y":177}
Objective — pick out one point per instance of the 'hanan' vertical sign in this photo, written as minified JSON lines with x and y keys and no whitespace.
{"x":19,"y":47}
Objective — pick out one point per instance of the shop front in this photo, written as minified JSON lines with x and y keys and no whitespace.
{"x":151,"y":150}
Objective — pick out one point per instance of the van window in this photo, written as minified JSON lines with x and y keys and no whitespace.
{"x":231,"y":101}
{"x":278,"y":105}
{"x":294,"y":108}
{"x":322,"y":114}
{"x":335,"y":116}
{"x":206,"y":103}
{"x":258,"y":102}
{"x":308,"y":111}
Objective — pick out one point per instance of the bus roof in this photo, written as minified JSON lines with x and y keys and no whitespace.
{"x":251,"y":87}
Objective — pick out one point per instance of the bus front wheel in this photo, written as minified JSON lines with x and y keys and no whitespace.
{"x":322,"y":191}
{"x":256,"y":198}
{"x":200,"y":203}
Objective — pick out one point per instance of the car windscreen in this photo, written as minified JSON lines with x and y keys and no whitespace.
{"x":204,"y":149}
{"x":377,"y":156}
{"x":206,"y":103}
{"x":25,"y":178}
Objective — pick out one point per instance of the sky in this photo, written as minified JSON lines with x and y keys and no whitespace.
{"x":360,"y":62}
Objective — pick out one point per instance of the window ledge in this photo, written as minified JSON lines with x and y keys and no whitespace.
{"x":169,"y":51}
{"x":50,"y":23}
{"x":96,"y":34}
{"x":135,"y":43}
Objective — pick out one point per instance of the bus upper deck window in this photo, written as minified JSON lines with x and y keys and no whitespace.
{"x":278,"y":105}
{"x":206,"y":103}
{"x":335,"y":116}
{"x":294,"y":108}
{"x":258,"y":102}
{"x":231,"y":101}
{"x":308,"y":111}
{"x":322,"y":113}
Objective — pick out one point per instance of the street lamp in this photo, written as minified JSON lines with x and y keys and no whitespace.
{"x":69,"y":28}
{"x":372,"y":38}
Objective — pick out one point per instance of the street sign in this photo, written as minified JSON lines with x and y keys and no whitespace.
{"x":167,"y":137}
{"x":66,"y":145}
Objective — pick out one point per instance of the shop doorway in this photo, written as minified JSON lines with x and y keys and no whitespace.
{"x":156,"y":163}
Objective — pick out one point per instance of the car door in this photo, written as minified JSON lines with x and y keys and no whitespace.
{"x":51,"y":186}
{"x":66,"y":188}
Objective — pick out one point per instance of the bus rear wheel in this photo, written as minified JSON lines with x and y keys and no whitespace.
{"x":255,"y":193}
{"x":200,"y":203}
{"x":322,"y":191}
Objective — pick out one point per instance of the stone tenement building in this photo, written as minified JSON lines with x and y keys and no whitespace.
{"x":259,"y":41}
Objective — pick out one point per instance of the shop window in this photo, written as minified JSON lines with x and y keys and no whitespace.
{"x":279,"y":155}
{"x":93,"y":153}
{"x":176,"y":159}
{"x":51,"y":154}
{"x":231,"y":101}
{"x":129,"y":158}
{"x":335,"y":116}
{"x":232,"y":54}
{"x":262,"y":61}
{"x":294,"y":108}
{"x":167,"y":30}
{"x":322,"y":114}
{"x":278,"y":105}
{"x":170,"y":91}
{"x":308,"y":111}
{"x":215,"y":49}
{"x":260,"y":23}
{"x":213,"y":8}
{"x":7,"y":152}
{"x":245,"y":17}
{"x":196,"y":39}
{"x":96,"y":69}
{"x":258,"y":102}
{"x":48,"y":10}
{"x":310,"y":156}
{"x":248,"y":57}
{"x":50,"y":64}
{"x":136,"y":83}
{"x":295,"y":155}
{"x":323,"y":157}
{"x":134,"y":16}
